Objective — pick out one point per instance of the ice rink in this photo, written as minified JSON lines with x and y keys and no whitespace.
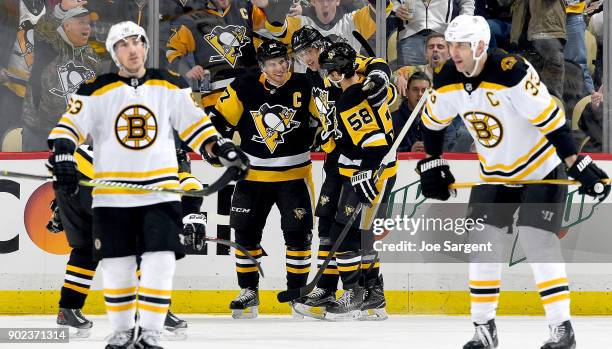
{"x":419,"y":332}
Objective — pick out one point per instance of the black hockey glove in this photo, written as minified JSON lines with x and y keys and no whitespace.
{"x":590,"y":177}
{"x":64,"y":169}
{"x":365,"y":186}
{"x":375,"y":85}
{"x":229,"y":155}
{"x":55,"y":223}
{"x":194,"y":230}
{"x":435,"y":178}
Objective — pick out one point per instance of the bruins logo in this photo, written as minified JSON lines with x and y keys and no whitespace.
{"x":488,"y":129}
{"x":228,"y":42}
{"x":327,"y":110}
{"x":272,"y":123}
{"x":136,"y":127}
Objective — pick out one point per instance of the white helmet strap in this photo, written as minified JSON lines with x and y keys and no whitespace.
{"x":474,"y":47}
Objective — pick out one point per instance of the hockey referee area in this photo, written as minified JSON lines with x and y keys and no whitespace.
{"x":418,"y":332}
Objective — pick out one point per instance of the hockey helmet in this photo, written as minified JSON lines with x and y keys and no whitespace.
{"x":271,"y":49}
{"x":307,"y":36}
{"x":123,"y":30}
{"x":340,"y":57}
{"x":471,"y":29}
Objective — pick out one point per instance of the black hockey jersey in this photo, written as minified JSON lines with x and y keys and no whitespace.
{"x":366,"y":133}
{"x":275,"y":125}
{"x":221,"y":42}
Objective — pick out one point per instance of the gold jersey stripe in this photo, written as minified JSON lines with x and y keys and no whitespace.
{"x":138,"y":175}
{"x":80,"y":270}
{"x":485,"y":283}
{"x":120,"y":291}
{"x":153,"y":291}
{"x":556,"y":298}
{"x":279,"y":176}
{"x":153,"y":308}
{"x":79,"y":289}
{"x":107,"y":88}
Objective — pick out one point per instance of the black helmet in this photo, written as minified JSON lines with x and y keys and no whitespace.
{"x":339,"y":57}
{"x":307,"y":36}
{"x":271,"y":49}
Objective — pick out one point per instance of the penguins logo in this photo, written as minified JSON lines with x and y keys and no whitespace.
{"x":299,"y":213}
{"x":324,"y":200}
{"x":348,"y":210}
{"x":327,"y":109}
{"x":136,"y":127}
{"x":71,"y":76}
{"x":272,"y":122}
{"x":228,"y":42}
{"x":488,"y":129}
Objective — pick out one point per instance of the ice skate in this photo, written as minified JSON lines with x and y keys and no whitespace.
{"x":561,"y":337}
{"x":176,"y":328}
{"x":148,"y":340}
{"x":75,"y":319}
{"x":121,"y":340}
{"x":347,"y":307}
{"x":374,"y":302}
{"x":485,"y":337}
{"x":314,"y":304}
{"x":246,"y":304}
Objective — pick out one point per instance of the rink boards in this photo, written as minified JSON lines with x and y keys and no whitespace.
{"x":33,"y":260}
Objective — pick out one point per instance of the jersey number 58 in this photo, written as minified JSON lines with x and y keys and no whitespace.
{"x":360,"y":118}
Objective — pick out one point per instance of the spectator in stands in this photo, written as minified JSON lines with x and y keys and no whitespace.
{"x":62,"y":62}
{"x":328,"y":23}
{"x":343,"y":7}
{"x":596,"y":28}
{"x":436,"y":53}
{"x":545,"y":23}
{"x":221,"y":39}
{"x":499,"y":16}
{"x":16,"y":56}
{"x":575,"y":48}
{"x":413,"y":142}
{"x":591,"y":125}
{"x":421,"y":18}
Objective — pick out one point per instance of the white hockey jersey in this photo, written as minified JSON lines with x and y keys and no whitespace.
{"x":131,"y":122}
{"x":508,"y":112}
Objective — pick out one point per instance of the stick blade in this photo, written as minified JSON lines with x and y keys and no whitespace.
{"x":291,"y":294}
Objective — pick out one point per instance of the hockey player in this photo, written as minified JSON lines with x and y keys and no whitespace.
{"x":130,"y":116}
{"x":520,"y":134}
{"x":73,"y":214}
{"x":222,"y":39}
{"x":307,"y":44}
{"x":270,"y":112}
{"x":366,"y":136}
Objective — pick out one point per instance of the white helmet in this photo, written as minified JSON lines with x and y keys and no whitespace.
{"x":119,"y":32}
{"x":472,"y":29}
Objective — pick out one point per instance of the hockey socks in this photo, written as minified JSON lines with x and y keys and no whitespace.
{"x":120,"y":284}
{"x":248,"y":276}
{"x":80,"y":271}
{"x":155,"y":288}
{"x":298,"y":266}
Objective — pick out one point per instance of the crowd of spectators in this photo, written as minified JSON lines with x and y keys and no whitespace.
{"x":50,"y":47}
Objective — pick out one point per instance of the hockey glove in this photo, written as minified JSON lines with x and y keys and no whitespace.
{"x":194,"y":230}
{"x":230,"y":155}
{"x":365,"y":186}
{"x":64,"y":169}
{"x":375,"y":85}
{"x":435,"y":178}
{"x":590,"y":177}
{"x":55,"y":223}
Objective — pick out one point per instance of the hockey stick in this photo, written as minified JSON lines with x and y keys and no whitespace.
{"x":364,"y":43}
{"x":238,"y":247}
{"x":221,"y":182}
{"x":295,"y":293}
{"x":525,"y":182}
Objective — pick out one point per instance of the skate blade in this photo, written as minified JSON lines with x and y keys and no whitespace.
{"x":179,"y":334}
{"x":308,"y":311}
{"x":77,"y":333}
{"x":374,"y":315}
{"x":348,"y":316}
{"x":248,"y":313}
